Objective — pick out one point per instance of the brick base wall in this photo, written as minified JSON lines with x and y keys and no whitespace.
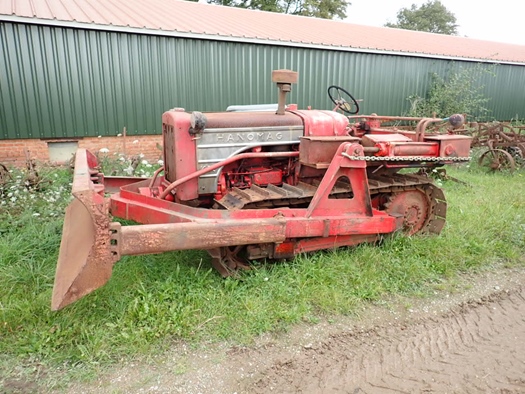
{"x":13,"y":152}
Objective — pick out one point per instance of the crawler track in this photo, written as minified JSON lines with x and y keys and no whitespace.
{"x":383,"y":188}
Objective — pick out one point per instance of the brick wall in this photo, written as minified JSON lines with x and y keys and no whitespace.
{"x":13,"y":152}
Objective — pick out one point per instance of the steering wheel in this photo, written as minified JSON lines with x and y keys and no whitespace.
{"x":337,"y":94}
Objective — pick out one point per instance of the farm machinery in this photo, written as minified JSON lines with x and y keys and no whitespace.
{"x":504,"y":143}
{"x":252,"y":185}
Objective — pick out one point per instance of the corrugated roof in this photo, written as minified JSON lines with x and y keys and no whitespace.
{"x":185,"y":18}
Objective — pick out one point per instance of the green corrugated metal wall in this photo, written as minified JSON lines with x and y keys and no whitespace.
{"x":63,"y":82}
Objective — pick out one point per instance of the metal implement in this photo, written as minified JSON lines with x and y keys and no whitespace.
{"x":505,"y":145}
{"x":256,"y":185}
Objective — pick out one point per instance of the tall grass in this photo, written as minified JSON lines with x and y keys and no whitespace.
{"x":152,"y":300}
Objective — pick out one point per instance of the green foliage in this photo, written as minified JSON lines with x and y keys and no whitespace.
{"x":115,"y":163}
{"x":151,"y":301}
{"x":432,"y":17}
{"x":458,"y":93}
{"x":327,"y":9}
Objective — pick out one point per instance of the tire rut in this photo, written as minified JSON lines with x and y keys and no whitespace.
{"x":477,"y":347}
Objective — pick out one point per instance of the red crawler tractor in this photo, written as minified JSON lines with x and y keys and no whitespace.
{"x":254,"y":185}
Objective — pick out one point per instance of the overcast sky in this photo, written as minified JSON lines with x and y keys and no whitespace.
{"x":496,"y":20}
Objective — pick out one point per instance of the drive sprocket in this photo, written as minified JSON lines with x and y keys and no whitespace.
{"x":419,"y":210}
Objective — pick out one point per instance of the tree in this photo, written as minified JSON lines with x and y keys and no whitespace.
{"x":327,"y":9}
{"x":432,"y":17}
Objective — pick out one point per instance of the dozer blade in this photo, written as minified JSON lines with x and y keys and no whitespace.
{"x":85,"y":260}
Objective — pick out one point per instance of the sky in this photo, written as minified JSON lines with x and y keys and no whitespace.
{"x":500,"y":20}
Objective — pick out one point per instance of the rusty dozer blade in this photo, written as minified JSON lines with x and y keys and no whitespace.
{"x":85,"y":260}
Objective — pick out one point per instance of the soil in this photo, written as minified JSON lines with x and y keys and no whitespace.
{"x":468,"y":339}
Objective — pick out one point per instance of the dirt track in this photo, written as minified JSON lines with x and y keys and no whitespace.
{"x":480,"y":347}
{"x":472,"y":342}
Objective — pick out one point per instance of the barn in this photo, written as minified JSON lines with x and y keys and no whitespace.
{"x":96,"y":73}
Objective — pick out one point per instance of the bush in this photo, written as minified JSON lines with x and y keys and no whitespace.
{"x":458,"y":93}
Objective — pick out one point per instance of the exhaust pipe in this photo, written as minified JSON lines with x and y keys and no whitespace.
{"x":284,"y":80}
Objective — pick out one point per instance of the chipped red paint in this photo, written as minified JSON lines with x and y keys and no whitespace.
{"x":332,"y":155}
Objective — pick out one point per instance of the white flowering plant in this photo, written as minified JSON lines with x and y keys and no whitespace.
{"x":26,"y":194}
{"x":118,"y":164}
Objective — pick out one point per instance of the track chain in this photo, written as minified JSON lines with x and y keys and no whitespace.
{"x":423,"y":159}
{"x":254,"y":198}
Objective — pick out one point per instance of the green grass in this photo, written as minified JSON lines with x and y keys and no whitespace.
{"x":154,"y":300}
